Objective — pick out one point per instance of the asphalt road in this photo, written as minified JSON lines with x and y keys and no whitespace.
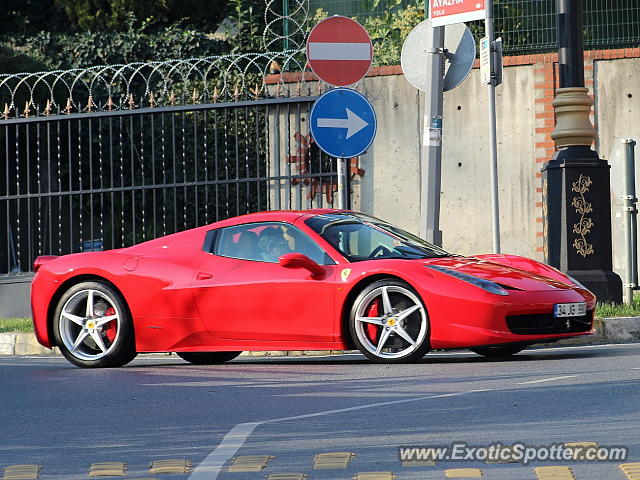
{"x":159,"y":407}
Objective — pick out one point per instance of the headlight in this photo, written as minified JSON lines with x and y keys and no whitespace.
{"x":575,"y":282}
{"x":486,"y":285}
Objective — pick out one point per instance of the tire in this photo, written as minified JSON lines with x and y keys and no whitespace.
{"x":92,"y":326}
{"x":498,"y":351}
{"x":383,"y":317}
{"x":208,"y":358}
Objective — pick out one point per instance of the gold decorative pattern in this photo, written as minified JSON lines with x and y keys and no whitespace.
{"x":584,"y":225}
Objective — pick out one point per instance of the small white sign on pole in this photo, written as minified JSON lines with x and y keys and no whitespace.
{"x":485,"y":61}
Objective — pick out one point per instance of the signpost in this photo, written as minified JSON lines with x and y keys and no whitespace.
{"x":435,"y":60}
{"x":339,"y":51}
{"x":493,"y":142}
{"x":342,"y":121}
{"x":459,"y":55}
{"x":446,"y":12}
{"x":343,"y":124}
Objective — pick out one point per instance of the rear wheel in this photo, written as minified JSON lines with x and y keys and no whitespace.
{"x":389,"y":323}
{"x":498,"y":351}
{"x":208,"y":358}
{"x":92,"y":326}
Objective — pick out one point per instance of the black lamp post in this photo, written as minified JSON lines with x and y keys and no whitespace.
{"x":576,"y":185}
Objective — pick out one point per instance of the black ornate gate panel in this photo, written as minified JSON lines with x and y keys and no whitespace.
{"x":110,"y":179}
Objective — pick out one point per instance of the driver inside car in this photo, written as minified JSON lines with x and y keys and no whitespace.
{"x":272,"y":244}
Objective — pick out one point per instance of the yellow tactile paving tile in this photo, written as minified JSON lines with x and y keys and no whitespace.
{"x":512,"y":456}
{"x":374,"y":476}
{"x":287,"y":476}
{"x":463,"y":473}
{"x":554,"y":473}
{"x":21,"y":472}
{"x":581,"y":444}
{"x":107,"y":469}
{"x":332,"y":460}
{"x":249,"y":463}
{"x":170,"y":466}
{"x":418,"y":463}
{"x":631,"y":470}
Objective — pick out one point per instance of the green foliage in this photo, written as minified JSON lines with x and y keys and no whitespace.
{"x":387,"y":31}
{"x":14,"y":61}
{"x":248,"y":16}
{"x":114,"y":14}
{"x":84,"y":33}
{"x":608,"y":310}
{"x":27,"y":16}
{"x":84,"y":49}
{"x":16,"y":325}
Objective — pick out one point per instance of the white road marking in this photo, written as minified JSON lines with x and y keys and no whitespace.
{"x":546,"y":379}
{"x":339,"y":51}
{"x":557,"y":348}
{"x":231,"y":443}
{"x":573,"y":347}
{"x":211,"y":466}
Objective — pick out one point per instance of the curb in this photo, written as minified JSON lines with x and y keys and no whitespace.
{"x":608,"y":330}
{"x":23,"y":343}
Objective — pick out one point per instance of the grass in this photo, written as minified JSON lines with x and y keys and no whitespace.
{"x":607,"y":310}
{"x":16,"y":325}
{"x":603,"y":310}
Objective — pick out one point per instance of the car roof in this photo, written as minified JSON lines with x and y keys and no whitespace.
{"x":195,"y":235}
{"x":289,"y":216}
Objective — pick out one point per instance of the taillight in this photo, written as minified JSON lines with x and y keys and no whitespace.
{"x":41,"y":260}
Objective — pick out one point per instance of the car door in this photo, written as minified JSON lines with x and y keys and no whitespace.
{"x":242,"y":292}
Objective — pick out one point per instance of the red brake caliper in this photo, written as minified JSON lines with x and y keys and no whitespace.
{"x":371,"y":329}
{"x":111,"y":328}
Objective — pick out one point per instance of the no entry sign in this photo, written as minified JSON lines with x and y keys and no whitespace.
{"x":339,"y":51}
{"x":446,"y":12}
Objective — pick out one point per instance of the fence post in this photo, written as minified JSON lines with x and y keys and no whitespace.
{"x":630,"y":220}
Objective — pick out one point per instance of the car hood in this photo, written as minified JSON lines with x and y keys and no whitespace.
{"x":501,"y":274}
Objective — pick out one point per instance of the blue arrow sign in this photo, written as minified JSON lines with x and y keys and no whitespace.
{"x":343,"y":123}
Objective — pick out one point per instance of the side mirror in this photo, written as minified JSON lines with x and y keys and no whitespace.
{"x":298,"y":260}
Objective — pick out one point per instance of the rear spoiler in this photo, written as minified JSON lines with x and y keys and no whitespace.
{"x":41,"y":260}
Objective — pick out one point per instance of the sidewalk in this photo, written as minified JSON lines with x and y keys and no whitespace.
{"x":608,"y":330}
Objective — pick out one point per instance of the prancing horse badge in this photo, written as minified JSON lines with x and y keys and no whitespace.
{"x":345,"y":274}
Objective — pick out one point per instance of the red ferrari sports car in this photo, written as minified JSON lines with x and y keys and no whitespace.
{"x":298,"y":280}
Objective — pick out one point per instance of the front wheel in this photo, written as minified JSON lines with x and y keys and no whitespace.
{"x":498,"y":351}
{"x":389,"y":323}
{"x":92,"y":326}
{"x":208,"y":358}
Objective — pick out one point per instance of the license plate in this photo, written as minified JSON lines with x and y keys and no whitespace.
{"x":570,"y":309}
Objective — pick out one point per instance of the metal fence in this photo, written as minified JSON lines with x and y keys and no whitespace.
{"x":111,"y":156}
{"x":526,"y":26}
{"x":360,"y":8}
{"x":109,"y":179}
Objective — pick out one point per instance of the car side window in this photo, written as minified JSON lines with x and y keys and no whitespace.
{"x":266,"y":242}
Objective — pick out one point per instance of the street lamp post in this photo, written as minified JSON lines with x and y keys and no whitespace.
{"x":576,"y":189}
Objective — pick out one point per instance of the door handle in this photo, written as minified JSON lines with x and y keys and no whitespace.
{"x":203,"y":276}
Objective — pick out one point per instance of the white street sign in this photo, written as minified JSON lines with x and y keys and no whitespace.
{"x":447,"y":12}
{"x":485,"y":61}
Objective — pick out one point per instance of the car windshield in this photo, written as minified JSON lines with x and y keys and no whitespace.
{"x":361,"y":237}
